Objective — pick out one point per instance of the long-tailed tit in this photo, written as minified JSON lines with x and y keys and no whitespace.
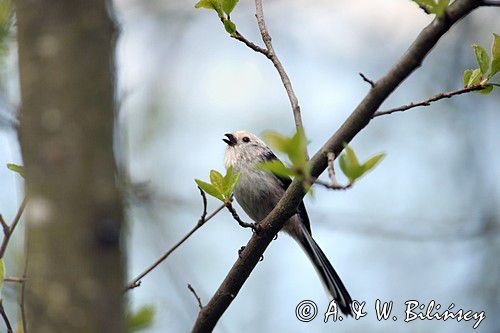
{"x":259,"y":191}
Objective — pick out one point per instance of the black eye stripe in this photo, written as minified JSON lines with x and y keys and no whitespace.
{"x":246,"y":139}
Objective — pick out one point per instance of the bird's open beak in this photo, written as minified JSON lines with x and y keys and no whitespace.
{"x":231,"y":139}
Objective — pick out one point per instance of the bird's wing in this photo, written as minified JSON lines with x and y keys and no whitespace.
{"x":285,"y":182}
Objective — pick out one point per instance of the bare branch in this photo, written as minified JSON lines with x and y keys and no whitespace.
{"x":277,"y":64}
{"x":360,"y":117}
{"x":254,"y":226}
{"x":370,"y":82}
{"x":428,"y":101}
{"x":23,"y":294}
{"x":334,"y":184}
{"x":136,"y":282}
{"x":8,"y":231}
{"x":5,"y":318}
{"x":14,"y":279}
{"x":250,"y":44}
{"x":190,"y":287}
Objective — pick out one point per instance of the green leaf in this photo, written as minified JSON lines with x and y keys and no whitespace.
{"x":228,"y":6}
{"x":441,"y":7}
{"x":486,"y":90}
{"x":372,"y":162}
{"x":475,"y":77}
{"x":209,"y":189}
{"x":230,"y":181}
{"x":276,"y":167}
{"x":297,"y":149}
{"x":16,"y":168}
{"x":350,"y":170}
{"x":466,"y":76}
{"x":495,"y":67}
{"x":141,"y":319}
{"x":495,"y":50}
{"x":211,"y":4}
{"x":233,"y":183}
{"x":351,"y":157}
{"x":482,"y":58}
{"x":230,"y":26}
{"x":277,"y":141}
{"x":427,"y":5}
{"x":2,"y":274}
{"x":217,"y":180}
{"x":350,"y":166}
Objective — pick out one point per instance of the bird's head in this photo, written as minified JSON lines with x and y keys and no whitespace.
{"x":244,"y":150}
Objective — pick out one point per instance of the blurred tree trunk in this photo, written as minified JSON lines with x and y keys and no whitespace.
{"x":75,"y":211}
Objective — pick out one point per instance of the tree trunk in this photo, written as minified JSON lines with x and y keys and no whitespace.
{"x":75,"y":213}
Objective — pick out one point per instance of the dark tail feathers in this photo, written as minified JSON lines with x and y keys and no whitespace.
{"x":327,"y":273}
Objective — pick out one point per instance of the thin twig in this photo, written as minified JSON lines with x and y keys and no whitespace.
{"x":23,"y":294}
{"x":334,"y":184}
{"x":428,"y":101}
{"x":254,"y":226}
{"x":136,"y":282}
{"x":266,"y":37}
{"x":370,"y":82}
{"x":190,"y":287}
{"x":14,"y":279}
{"x":4,"y":224}
{"x":5,"y":318}
{"x":251,"y":45}
{"x":10,"y":230}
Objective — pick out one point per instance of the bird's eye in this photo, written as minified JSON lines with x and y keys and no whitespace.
{"x":246,"y":139}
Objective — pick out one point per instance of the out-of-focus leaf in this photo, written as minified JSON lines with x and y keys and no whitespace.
{"x":466,"y":76}
{"x":228,"y":5}
{"x":441,"y":7}
{"x":475,"y":77}
{"x":427,"y":5}
{"x":211,"y":4}
{"x":16,"y":168}
{"x":229,"y":26}
{"x":372,"y":162}
{"x":141,"y":319}
{"x":277,"y":141}
{"x":495,"y":55}
{"x":297,"y":149}
{"x":230,"y":181}
{"x":209,"y":189}
{"x":217,"y":180}
{"x":495,"y":67}
{"x":482,"y":58}
{"x":233,"y":183}
{"x":486,"y":90}
{"x":277,"y":167}
{"x":2,"y":274}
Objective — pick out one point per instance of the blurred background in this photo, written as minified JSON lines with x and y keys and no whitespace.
{"x":424,"y":225}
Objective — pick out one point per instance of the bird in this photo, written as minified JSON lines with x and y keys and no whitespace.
{"x":258,"y":191}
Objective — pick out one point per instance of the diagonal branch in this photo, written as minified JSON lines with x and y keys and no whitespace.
{"x":428,"y":101}
{"x":266,"y":37}
{"x":136,"y":282}
{"x":9,"y":230}
{"x":361,"y":116}
{"x":270,"y":54}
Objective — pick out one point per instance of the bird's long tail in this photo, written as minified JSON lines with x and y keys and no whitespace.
{"x":327,"y":273}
